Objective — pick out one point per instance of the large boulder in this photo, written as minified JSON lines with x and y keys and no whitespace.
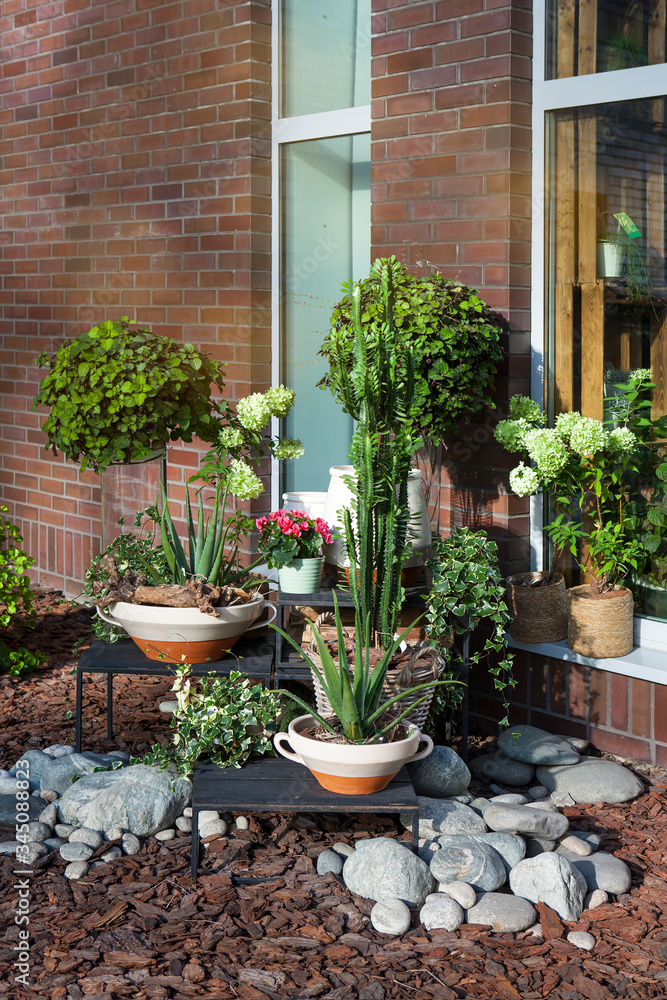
{"x":60,"y":771}
{"x":550,"y":879}
{"x":140,"y":799}
{"x":535,"y":746}
{"x":32,"y":805}
{"x":382,"y":868}
{"x":526,"y":820}
{"x":510,"y":847}
{"x":439,"y":775}
{"x":602,"y":871}
{"x":497,"y":767}
{"x":470,"y":861}
{"x":444,"y":816}
{"x":592,"y":780}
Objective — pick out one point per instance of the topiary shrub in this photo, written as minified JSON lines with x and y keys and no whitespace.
{"x":454,"y":341}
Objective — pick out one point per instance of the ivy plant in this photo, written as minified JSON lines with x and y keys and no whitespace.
{"x":115,"y":394}
{"x":15,"y":598}
{"x":449,"y":332}
{"x":227,"y":721}
{"x":468,"y":592}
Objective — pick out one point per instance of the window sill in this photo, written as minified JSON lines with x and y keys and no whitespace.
{"x":644,"y":662}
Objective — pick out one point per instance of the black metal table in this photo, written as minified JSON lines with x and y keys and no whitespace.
{"x":253,"y":657}
{"x":274,"y":784}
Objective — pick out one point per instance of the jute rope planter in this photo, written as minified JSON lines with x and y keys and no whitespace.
{"x":600,"y":626}
{"x":539,"y":614}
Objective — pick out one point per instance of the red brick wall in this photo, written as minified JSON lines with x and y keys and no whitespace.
{"x":136,"y":180}
{"x":451,"y":144}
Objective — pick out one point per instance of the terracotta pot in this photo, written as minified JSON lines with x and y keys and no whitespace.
{"x":177,"y":635}
{"x":346,"y":768}
{"x":600,"y":626}
{"x":539,"y":614}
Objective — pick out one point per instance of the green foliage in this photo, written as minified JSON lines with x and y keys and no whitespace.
{"x":468,"y":591}
{"x":227,"y":720}
{"x":20,"y":660}
{"x":286,"y":535}
{"x":449,"y":332}
{"x":15,"y":598}
{"x":356,"y":701}
{"x":115,"y":394}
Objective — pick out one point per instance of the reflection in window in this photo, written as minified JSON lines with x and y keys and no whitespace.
{"x":597,"y":36}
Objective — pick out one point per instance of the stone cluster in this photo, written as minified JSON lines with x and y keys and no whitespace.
{"x":489,"y":860}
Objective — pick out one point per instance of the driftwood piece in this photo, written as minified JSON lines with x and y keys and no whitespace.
{"x":134,"y":588}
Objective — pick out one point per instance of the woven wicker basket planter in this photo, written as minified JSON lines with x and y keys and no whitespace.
{"x":539,"y":614}
{"x":425,"y":665}
{"x":602,"y":626}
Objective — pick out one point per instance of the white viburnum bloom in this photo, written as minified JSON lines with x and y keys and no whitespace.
{"x":528,"y":409}
{"x":588,"y":436}
{"x":288,"y":448}
{"x":253,"y":411}
{"x":547,"y":451}
{"x":565,"y":424}
{"x":242,"y":481}
{"x":279,"y":399}
{"x":524,"y":481}
{"x":511,"y":433}
{"x":622,"y":439}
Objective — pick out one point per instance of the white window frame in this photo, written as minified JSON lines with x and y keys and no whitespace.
{"x":301,"y":128}
{"x":551,"y":95}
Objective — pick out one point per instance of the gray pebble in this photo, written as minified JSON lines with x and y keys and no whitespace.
{"x":184,"y":824}
{"x":64,"y":830}
{"x":512,"y":798}
{"x":59,"y":750}
{"x":497,"y":789}
{"x":242,"y":823}
{"x":115,"y":833}
{"x":131,"y":844}
{"x":9,"y":846}
{"x":53,"y":843}
{"x":111,"y":855}
{"x":214,"y":828}
{"x":165,"y":835}
{"x":538,"y":845}
{"x":463,"y":893}
{"x":168,"y":707}
{"x":76,"y":852}
{"x":76,"y":870}
{"x":206,"y":816}
{"x":37,"y":832}
{"x":343,"y":849}
{"x":92,"y":838}
{"x":32,"y":852}
{"x":574,"y":845}
{"x":538,"y":792}
{"x":505,"y":913}
{"x":596,"y":898}
{"x":330,"y":861}
{"x":49,"y":815}
{"x":561,"y":799}
{"x":580,"y":939}
{"x":390,"y":916}
{"x":8,"y":786}
{"x":441,"y":911}
{"x":188,"y":812}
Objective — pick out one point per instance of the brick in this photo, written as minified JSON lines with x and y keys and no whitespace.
{"x":641,"y":693}
{"x":619,"y":702}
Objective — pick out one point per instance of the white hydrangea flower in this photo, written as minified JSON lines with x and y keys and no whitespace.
{"x":511,"y":433}
{"x":242,"y":481}
{"x":289,"y":448}
{"x":641,"y":375}
{"x":231,"y":437}
{"x":254,"y":411}
{"x":622,"y":439}
{"x":547,"y":451}
{"x":279,"y":399}
{"x":528,"y":409}
{"x":588,"y":436}
{"x":565,"y":423}
{"x":524,"y":481}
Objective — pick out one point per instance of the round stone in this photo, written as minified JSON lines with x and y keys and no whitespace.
{"x":59,"y":750}
{"x":512,"y":798}
{"x":593,"y":780}
{"x":242,"y":823}
{"x":551,"y":879}
{"x":574,"y":845}
{"x":509,"y":846}
{"x":184,"y":824}
{"x":390,"y":916}
{"x":111,"y":855}
{"x":330,"y":861}
{"x":603,"y":871}
{"x":384,"y":869}
{"x":214,"y":828}
{"x":526,"y":820}
{"x":31,"y":852}
{"x":539,"y":845}
{"x":441,"y":911}
{"x":596,"y":898}
{"x":168,"y":707}
{"x":131,"y":844}
{"x":581,"y":939}
{"x":463,"y":893}
{"x":469,"y":861}
{"x":37,"y":832}
{"x":188,"y":812}
{"x":9,"y":846}
{"x":538,"y":792}
{"x":115,"y":833}
{"x":76,"y":852}
{"x":53,"y":843}
{"x":444,"y":816}
{"x":561,"y":799}
{"x":49,"y":815}
{"x":206,"y":816}
{"x":498,"y":767}
{"x":536,"y":746}
{"x":345,"y":850}
{"x":49,"y":795}
{"x":92,"y":838}
{"x":165,"y":835}
{"x":64,"y":830}
{"x":506,"y":914}
{"x":440,"y":775}
{"x":77,"y":869}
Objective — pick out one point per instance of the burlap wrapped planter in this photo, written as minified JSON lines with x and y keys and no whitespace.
{"x":539,"y":614}
{"x":600,"y":626}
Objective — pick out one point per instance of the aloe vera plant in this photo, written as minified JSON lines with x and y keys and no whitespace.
{"x":356,"y":700}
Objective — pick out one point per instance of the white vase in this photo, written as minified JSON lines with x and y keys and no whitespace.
{"x":339,"y":496}
{"x":609,"y":259}
{"x":310,"y":501}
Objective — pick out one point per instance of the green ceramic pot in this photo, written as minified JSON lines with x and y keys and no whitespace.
{"x":302,"y":576}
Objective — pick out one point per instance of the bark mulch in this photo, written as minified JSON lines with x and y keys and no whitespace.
{"x":259,"y":922}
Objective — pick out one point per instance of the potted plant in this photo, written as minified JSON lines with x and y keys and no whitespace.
{"x":361,"y":745}
{"x":291,"y":541}
{"x":454,"y":343}
{"x":197,"y":600}
{"x":586,"y":469}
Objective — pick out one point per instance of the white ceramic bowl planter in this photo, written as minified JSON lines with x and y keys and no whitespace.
{"x":175,"y":634}
{"x":350,"y":768}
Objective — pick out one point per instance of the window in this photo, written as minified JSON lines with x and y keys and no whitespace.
{"x":321,"y":211}
{"x":599,"y":305}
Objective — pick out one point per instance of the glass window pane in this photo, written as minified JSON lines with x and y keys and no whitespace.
{"x":326,"y":234}
{"x":326,"y":56}
{"x":596,"y":36}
